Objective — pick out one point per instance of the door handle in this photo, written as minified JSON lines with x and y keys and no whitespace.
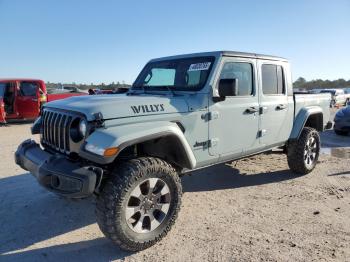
{"x":251,"y":110}
{"x":281,"y":107}
{"x":35,"y":99}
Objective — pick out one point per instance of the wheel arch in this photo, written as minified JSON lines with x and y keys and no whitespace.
{"x":159,"y":139}
{"x":307,"y":117}
{"x":167,"y":146}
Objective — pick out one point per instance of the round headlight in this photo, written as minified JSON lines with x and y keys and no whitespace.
{"x":82,"y":127}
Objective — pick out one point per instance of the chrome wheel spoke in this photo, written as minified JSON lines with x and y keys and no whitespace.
{"x":154,"y":223}
{"x":136,"y":192}
{"x":151,"y":185}
{"x":148,"y":205}
{"x":131,"y":211}
{"x":165,"y":207}
{"x":165,"y":190}
{"x":310,"y":151}
{"x":139,"y":225}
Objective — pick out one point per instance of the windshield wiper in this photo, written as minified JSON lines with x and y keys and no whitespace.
{"x":170,"y":90}
{"x":149,"y":91}
{"x":132,"y":90}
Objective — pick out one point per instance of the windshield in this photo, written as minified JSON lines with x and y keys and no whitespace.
{"x":186,"y":74}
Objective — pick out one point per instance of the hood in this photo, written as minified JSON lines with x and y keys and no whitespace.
{"x":121,"y":105}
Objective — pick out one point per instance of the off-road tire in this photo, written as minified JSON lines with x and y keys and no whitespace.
{"x":111,"y":203}
{"x":340,"y":132}
{"x":296,"y":152}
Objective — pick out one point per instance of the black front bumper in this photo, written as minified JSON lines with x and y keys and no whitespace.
{"x":56,"y":173}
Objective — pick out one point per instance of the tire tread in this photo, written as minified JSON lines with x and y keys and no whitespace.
{"x":109,"y":203}
{"x":295,"y":154}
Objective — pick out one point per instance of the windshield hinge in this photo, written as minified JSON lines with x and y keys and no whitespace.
{"x":210,"y":115}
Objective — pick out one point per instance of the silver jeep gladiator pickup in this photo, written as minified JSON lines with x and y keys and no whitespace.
{"x":182,"y":113}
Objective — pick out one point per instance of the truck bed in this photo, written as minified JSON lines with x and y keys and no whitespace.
{"x":313,"y":100}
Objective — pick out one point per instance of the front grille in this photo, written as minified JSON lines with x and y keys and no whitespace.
{"x":55,"y":130}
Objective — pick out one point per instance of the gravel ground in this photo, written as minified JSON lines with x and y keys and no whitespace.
{"x":254,"y":209}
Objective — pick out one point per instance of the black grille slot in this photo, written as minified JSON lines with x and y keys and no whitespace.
{"x":55,"y":130}
{"x":61,"y":133}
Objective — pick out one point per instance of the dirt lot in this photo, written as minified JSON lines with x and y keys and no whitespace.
{"x":255,"y":209}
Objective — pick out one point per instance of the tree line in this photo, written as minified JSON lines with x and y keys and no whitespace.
{"x":102,"y":86}
{"x":301,"y":83}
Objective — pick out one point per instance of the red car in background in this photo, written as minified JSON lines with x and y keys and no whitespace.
{"x":21,"y":99}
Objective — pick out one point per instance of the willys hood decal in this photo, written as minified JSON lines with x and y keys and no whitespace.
{"x":121,"y":105}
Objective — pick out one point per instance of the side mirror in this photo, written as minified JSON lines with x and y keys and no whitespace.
{"x":228,"y":87}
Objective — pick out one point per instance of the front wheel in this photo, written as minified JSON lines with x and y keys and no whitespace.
{"x":140,"y":203}
{"x":303,"y":154}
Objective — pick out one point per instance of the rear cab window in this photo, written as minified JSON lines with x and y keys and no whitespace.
{"x":272,"y":79}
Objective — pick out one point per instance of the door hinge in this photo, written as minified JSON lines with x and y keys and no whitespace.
{"x":263,"y":110}
{"x":210,"y":116}
{"x":213,"y":142}
{"x":262,"y":133}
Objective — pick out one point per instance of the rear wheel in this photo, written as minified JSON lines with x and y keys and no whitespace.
{"x":303,"y":154}
{"x":138,"y":206}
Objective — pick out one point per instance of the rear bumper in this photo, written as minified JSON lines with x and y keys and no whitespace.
{"x":56,"y":173}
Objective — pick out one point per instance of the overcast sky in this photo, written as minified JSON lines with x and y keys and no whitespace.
{"x":103,"y":41}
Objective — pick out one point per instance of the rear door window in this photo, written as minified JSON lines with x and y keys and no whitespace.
{"x":28,"y":89}
{"x":272,"y":79}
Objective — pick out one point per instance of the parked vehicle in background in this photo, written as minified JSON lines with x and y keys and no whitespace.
{"x":22,"y":99}
{"x":66,"y":89}
{"x":315,"y":91}
{"x":103,"y":91}
{"x":347,"y":95}
{"x":338,"y":96}
{"x":182,"y":113}
{"x":342,"y":121}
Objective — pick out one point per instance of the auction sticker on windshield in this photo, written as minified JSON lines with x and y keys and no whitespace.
{"x":199,"y":66}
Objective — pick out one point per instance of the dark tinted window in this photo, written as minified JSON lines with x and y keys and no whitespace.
{"x":28,"y":89}
{"x":3,"y":88}
{"x":241,"y":71}
{"x":272,"y":79}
